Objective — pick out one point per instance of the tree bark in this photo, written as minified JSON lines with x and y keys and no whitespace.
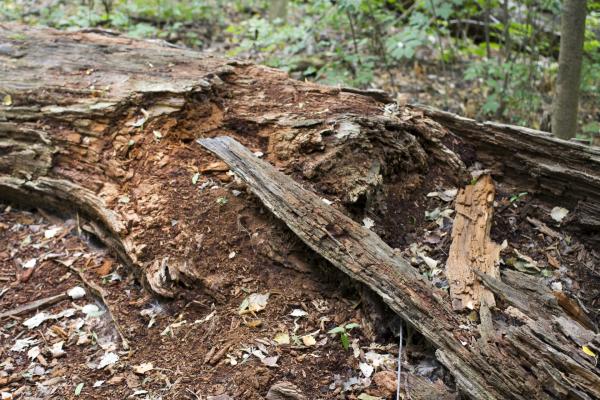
{"x":566,"y":99}
{"x":103,"y":126}
{"x":536,"y":162}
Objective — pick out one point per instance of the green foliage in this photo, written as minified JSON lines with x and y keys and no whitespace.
{"x":510,"y":76}
{"x":344,"y":332}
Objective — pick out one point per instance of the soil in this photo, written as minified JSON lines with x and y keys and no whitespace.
{"x":202,"y":322}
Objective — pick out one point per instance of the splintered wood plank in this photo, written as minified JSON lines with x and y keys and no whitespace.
{"x":472,"y":249}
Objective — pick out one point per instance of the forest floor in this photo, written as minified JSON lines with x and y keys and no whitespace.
{"x":260,"y":315}
{"x":258,"y":318}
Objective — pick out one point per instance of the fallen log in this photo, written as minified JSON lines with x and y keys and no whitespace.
{"x":535,"y":161}
{"x":102,"y":126}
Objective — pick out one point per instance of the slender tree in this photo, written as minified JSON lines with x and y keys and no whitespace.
{"x":278,"y":10}
{"x":566,"y":98}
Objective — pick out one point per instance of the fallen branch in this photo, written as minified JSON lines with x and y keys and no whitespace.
{"x":34,"y":305}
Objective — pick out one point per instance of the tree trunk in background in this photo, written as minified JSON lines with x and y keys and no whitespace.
{"x":103,"y":126}
{"x":278,"y":10}
{"x":566,"y":99}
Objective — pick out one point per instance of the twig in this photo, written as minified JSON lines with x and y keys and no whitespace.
{"x":399,"y":363}
{"x":47,"y":301}
{"x":220,"y":354}
{"x":100,"y":293}
{"x":354,"y":41}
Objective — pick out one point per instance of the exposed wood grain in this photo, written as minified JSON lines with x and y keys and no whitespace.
{"x":472,"y":249}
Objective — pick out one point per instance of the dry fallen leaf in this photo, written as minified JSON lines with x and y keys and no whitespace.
{"x":50,"y":233}
{"x":588,"y":351}
{"x":33,"y":352}
{"x":308,"y":340}
{"x":270,"y":361}
{"x":116,"y":380}
{"x":255,"y":323}
{"x":254,"y":303}
{"x":553,"y":261}
{"x":296,"y":313}
{"x":105,"y":268}
{"x":368,"y":222}
{"x":282,"y":338}
{"x":57,"y":349}
{"x":143,"y":368}
{"x":76,"y":292}
{"x":107,"y":359}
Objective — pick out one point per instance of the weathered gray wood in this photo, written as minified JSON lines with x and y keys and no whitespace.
{"x":549,"y":366}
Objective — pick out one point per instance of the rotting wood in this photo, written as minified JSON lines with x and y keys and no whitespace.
{"x":551,"y":364}
{"x":85,"y":144}
{"x":471,"y":248}
{"x":533,"y":160}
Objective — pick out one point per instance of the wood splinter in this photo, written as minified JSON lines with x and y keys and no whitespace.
{"x":472,"y":249}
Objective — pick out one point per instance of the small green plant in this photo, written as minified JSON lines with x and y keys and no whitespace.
{"x":516,"y":197}
{"x":222,"y":201}
{"x":344,"y":331}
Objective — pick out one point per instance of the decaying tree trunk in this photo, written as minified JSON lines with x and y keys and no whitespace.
{"x":104,"y":126}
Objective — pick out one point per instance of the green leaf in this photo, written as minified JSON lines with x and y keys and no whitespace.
{"x":345,"y":340}
{"x":78,"y":389}
{"x":444,"y":11}
{"x":516,"y":197}
{"x":491,"y":105}
{"x":352,"y":325}
{"x":337,"y":329}
{"x":592,"y":127}
{"x":195,"y":178}
{"x":546,"y":273}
